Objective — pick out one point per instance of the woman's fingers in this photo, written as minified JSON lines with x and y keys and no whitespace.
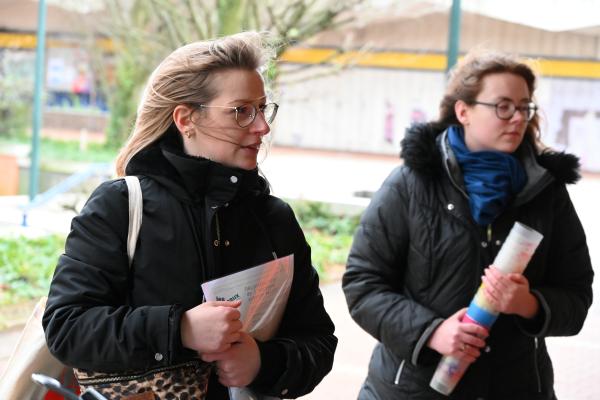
{"x":470,"y":353}
{"x":474,"y":330}
{"x":234,"y":337}
{"x":473,"y":341}
{"x":490,"y":290}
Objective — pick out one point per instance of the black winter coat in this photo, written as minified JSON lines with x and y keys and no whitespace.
{"x":201,"y":220}
{"x":418,"y":257}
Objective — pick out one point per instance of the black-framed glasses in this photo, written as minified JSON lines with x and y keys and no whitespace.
{"x":246,"y":114}
{"x":505,"y":109}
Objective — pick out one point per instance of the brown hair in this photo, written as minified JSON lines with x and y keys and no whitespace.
{"x":185,"y":77}
{"x":465,"y":83}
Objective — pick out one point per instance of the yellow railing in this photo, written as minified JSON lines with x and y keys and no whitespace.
{"x":375,"y":59}
{"x":429,"y":61}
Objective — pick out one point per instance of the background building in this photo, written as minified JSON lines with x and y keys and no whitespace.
{"x":362,"y":101}
{"x":354,"y":89}
{"x":73,"y":94}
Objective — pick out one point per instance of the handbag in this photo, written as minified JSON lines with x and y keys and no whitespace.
{"x":30,"y":355}
{"x":187,"y":380}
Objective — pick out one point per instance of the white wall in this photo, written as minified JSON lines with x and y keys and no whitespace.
{"x":361,"y":110}
{"x":367,"y":110}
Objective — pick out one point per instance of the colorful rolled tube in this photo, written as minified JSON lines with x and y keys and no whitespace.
{"x":513,"y":256}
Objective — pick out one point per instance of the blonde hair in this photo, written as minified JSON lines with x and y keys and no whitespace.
{"x":185,"y":77}
{"x":466,"y":80}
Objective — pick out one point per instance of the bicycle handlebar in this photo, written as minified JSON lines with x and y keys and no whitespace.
{"x":54,"y":385}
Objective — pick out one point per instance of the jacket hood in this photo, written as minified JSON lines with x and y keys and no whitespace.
{"x":420,"y":152}
{"x":192,"y":178}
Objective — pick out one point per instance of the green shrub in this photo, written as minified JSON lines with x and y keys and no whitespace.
{"x":328,"y":234}
{"x":27,"y":266}
{"x":318,"y":216}
{"x":15,"y":104}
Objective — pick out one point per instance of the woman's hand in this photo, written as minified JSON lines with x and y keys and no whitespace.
{"x":459,"y":339}
{"x":238,"y":366}
{"x":509,"y":294}
{"x":211,"y":327}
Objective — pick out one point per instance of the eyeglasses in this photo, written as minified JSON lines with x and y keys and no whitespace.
{"x":246,"y":114}
{"x":505,"y":109}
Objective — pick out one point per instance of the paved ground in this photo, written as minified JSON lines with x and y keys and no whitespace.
{"x":337,"y":177}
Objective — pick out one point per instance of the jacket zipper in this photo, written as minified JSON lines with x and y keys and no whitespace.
{"x":217,"y":241}
{"x":399,"y":373}
{"x":135,"y":376}
{"x":445,"y":153}
{"x":535,"y":366}
{"x":210,"y":243}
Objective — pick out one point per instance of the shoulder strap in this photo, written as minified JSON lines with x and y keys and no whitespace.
{"x":136,"y":206}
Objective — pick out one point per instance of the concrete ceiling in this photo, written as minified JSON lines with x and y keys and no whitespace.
{"x":22,"y":15}
{"x":581,"y":16}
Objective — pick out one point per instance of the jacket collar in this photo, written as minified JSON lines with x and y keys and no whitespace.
{"x":219,"y":183}
{"x":193,"y":179}
{"x":425,"y":150}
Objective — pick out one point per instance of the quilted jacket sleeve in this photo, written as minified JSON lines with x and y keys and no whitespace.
{"x":85,"y":322}
{"x":375,"y":272}
{"x":566,"y":293}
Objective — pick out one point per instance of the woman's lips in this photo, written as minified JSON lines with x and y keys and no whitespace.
{"x":253,"y":146}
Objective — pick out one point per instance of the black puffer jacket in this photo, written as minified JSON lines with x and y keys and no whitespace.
{"x":418,"y":257}
{"x":201,"y":220}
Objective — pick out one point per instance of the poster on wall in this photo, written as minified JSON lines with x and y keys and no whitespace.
{"x":571,"y":110}
{"x":68,"y":78}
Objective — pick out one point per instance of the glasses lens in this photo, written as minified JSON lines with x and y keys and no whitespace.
{"x":270,"y":111}
{"x":245,"y":115}
{"x":505,"y":110}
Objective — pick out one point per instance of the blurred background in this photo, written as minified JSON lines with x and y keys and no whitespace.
{"x":350,"y":76}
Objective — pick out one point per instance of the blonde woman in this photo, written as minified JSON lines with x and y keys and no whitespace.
{"x":207,"y":213}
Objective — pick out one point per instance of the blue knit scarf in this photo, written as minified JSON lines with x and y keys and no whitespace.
{"x":491,"y":178}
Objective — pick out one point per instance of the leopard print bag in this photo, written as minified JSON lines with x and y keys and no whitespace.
{"x":188,"y":381}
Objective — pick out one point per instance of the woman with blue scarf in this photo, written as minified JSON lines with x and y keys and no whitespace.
{"x":432,"y":231}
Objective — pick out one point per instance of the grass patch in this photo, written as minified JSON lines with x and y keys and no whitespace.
{"x":52,"y":150}
{"x":27,"y":264}
{"x":56,"y":150}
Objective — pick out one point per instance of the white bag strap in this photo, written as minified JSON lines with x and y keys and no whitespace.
{"x":136,"y":206}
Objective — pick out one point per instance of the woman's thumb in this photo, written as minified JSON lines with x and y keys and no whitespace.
{"x":222,"y":303}
{"x":460,"y":314}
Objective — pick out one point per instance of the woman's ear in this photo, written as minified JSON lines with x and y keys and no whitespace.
{"x":182,"y":116}
{"x":461,"y":109}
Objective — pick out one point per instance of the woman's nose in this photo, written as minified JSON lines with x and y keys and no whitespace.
{"x":520,"y":115}
{"x":259,"y":126}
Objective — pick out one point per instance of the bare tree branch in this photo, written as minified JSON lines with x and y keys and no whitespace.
{"x":167,"y":24}
{"x":196,"y":22}
{"x":144,"y":31}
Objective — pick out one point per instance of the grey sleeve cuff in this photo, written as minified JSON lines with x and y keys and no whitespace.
{"x":418,"y":356}
{"x":538,"y":325}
